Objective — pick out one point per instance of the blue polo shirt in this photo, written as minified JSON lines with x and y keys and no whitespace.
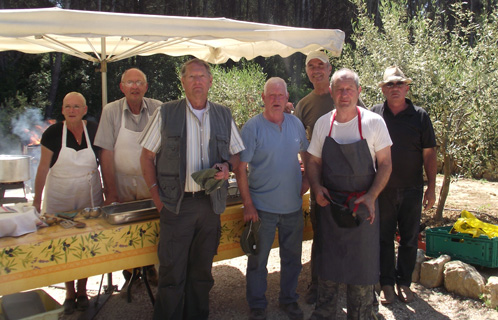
{"x":274,"y":171}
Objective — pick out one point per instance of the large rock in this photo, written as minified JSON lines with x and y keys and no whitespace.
{"x":492,"y":292}
{"x":463,"y":279}
{"x":418,"y":265}
{"x":431,"y":272}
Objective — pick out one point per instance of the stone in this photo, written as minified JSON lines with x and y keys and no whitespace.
{"x":492,"y":292}
{"x":431,"y":272}
{"x":463,"y":279}
{"x":418,"y":265}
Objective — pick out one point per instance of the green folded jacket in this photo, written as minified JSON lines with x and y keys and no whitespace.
{"x":205,"y":178}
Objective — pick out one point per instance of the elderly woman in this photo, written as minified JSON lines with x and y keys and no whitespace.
{"x":68,"y":173}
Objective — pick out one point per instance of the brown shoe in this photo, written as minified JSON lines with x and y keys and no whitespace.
{"x":405,"y":294}
{"x":387,"y":294}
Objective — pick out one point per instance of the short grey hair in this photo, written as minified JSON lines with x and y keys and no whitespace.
{"x":345,"y":73}
{"x":195,"y":61}
{"x":140,"y":71}
{"x":274,"y":80}
{"x":74,"y":93}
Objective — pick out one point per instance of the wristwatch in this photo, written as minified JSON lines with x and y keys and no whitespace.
{"x":230,"y":167}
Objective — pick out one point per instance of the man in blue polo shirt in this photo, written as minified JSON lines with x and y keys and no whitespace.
{"x":401,"y":201}
{"x":272,"y":193}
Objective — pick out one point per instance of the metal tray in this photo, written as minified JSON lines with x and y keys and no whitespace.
{"x":130,"y":211}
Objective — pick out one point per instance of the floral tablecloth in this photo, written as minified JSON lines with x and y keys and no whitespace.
{"x":54,"y":254}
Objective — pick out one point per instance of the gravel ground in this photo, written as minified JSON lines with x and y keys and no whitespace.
{"x":228,"y":294}
{"x":228,"y":297}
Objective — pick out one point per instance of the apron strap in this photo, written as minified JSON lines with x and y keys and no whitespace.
{"x":359,"y":123}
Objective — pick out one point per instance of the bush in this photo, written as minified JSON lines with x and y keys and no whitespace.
{"x":238,"y":88}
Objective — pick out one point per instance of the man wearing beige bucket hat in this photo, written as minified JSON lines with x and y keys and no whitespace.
{"x":401,"y":201}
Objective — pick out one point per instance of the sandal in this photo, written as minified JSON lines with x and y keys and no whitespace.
{"x":405,"y":294}
{"x":387,"y":294}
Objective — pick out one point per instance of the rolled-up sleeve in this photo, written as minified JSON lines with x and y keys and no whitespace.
{"x":150,"y":138}
{"x":236,"y":143}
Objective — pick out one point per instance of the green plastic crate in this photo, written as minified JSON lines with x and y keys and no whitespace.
{"x":480,"y":251}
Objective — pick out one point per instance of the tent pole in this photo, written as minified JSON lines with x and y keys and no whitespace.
{"x":103,"y":70}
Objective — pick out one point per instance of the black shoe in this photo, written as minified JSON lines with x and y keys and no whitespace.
{"x":82,"y":303}
{"x":257,"y":314}
{"x":123,"y":293}
{"x":69,"y":306}
{"x":312,"y":294}
{"x":292,"y":310}
{"x":152,"y":275}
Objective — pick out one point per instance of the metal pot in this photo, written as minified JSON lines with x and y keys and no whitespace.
{"x":14,"y":168}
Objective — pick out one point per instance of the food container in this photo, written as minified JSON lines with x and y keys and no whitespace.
{"x":14,"y":168}
{"x":30,"y":305}
{"x":233,"y":197}
{"x":94,"y":212}
{"x":130,"y":211}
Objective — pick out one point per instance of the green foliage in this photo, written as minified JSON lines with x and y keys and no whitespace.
{"x":238,"y":88}
{"x":452,"y":79}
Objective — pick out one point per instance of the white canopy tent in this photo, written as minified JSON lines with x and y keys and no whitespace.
{"x":105,"y":37}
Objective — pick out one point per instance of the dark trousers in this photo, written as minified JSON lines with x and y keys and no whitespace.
{"x":401,"y":208}
{"x":188,"y":242}
{"x":314,"y":246}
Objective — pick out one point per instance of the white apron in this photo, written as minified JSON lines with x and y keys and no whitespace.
{"x":130,"y":183}
{"x":73,"y":179}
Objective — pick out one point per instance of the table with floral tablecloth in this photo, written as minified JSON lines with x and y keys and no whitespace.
{"x":55,"y":254}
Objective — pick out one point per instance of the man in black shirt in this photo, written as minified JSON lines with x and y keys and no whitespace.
{"x":400,"y":203}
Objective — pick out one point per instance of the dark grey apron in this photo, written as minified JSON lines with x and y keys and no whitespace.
{"x":348,"y":255}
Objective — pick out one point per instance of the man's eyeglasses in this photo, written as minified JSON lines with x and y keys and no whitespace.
{"x":395,"y":84}
{"x":130,"y":83}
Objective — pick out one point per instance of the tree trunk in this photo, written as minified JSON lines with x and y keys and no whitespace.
{"x":445,"y":188}
{"x":56,"y":71}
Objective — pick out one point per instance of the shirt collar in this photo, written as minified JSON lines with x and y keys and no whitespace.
{"x":410,"y":110}
{"x":143,"y":108}
{"x":208,"y":106}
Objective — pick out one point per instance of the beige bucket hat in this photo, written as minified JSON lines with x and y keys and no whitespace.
{"x":394,"y":74}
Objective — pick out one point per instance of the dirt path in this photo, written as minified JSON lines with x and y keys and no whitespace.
{"x":228,"y":295}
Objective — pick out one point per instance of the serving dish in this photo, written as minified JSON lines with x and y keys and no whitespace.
{"x":130,"y":211}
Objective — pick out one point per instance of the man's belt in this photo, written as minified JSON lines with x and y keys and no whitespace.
{"x":198,"y":194}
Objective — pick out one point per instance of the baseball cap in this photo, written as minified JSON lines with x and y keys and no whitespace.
{"x":249,"y":238}
{"x":320,"y":55}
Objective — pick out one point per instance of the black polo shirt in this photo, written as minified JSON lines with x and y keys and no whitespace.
{"x":52,"y":139}
{"x":411,"y":131}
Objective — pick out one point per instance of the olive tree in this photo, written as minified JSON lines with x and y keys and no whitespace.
{"x":451,"y":78}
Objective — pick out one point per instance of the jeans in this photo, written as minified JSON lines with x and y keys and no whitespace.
{"x":290,"y":237}
{"x":401,"y":208}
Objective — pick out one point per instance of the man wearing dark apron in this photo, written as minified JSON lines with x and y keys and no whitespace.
{"x":345,"y":146}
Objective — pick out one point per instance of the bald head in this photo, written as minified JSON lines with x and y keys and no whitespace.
{"x":75,"y":94}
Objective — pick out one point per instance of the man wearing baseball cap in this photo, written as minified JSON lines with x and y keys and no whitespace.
{"x":317,"y":103}
{"x":401,"y":201}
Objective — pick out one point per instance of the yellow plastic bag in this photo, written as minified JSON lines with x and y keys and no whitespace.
{"x":468,"y":223}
